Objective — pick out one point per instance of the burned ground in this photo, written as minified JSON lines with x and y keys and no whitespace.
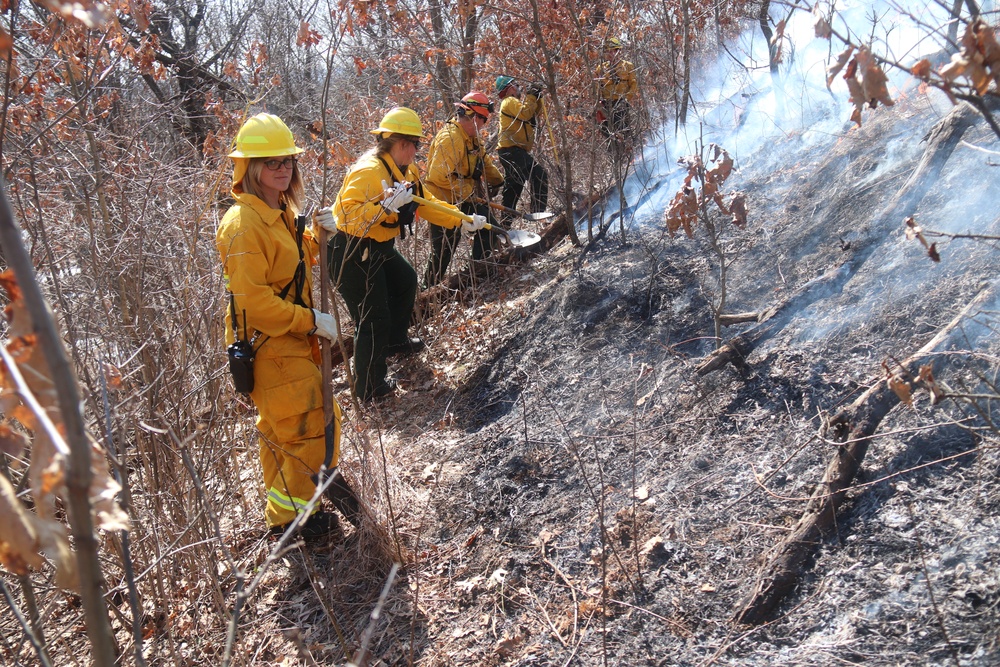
{"x":568,"y":491}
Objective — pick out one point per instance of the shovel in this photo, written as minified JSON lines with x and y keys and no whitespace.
{"x":534,"y":217}
{"x":339,"y":492}
{"x":447,"y":210}
{"x":515,"y":238}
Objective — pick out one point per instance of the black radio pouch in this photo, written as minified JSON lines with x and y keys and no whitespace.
{"x":242,"y":351}
{"x":241,"y":365}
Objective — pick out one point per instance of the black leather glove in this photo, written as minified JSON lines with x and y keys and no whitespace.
{"x":494,"y":190}
{"x":534,"y":89}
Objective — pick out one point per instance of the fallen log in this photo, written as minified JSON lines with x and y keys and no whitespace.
{"x":774,"y":319}
{"x":853,"y":426}
{"x":729,"y":319}
{"x":941,"y":142}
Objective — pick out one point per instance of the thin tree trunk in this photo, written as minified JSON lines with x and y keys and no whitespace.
{"x":443,"y":77}
{"x":560,"y":114}
{"x":79,"y":474}
{"x":686,"y":56}
{"x":469,"y":49}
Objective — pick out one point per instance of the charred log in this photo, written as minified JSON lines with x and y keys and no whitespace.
{"x":853,"y":427}
{"x":729,"y":319}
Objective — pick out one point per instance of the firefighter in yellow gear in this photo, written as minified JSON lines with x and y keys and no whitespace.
{"x":515,"y":141}
{"x":375,"y":204}
{"x":457,"y":167}
{"x":267,"y":254}
{"x":617,"y":87}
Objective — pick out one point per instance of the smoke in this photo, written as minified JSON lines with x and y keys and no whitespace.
{"x":763,"y":120}
{"x":771,"y":124}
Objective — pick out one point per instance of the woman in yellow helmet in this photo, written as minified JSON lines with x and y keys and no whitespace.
{"x":267,"y":255}
{"x":375,"y":204}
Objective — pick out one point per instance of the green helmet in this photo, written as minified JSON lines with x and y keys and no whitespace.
{"x":503,"y":82}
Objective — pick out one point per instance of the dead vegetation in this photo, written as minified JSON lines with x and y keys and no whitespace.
{"x":556,"y":481}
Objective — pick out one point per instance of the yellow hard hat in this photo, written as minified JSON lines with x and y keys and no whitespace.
{"x":612,"y":43}
{"x":264,"y":135}
{"x":400,"y":120}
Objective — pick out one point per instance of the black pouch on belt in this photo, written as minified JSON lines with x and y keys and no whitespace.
{"x":241,"y":355}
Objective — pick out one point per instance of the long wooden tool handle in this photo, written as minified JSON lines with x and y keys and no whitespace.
{"x":454,"y":212}
{"x":326,"y":346}
{"x":505,"y":209}
{"x":447,"y":210}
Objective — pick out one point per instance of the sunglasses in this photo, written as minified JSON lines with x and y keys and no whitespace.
{"x":275,"y":165}
{"x":415,"y":142}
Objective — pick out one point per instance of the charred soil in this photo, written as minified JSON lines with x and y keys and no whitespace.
{"x":566,"y":490}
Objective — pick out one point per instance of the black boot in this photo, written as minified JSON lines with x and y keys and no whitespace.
{"x":319,"y":527}
{"x":406,"y":347}
{"x":345,"y":500}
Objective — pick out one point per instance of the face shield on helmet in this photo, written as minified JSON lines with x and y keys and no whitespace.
{"x":476,"y":103}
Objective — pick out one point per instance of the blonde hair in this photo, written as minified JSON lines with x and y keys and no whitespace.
{"x":384,"y":144}
{"x":294,"y":196}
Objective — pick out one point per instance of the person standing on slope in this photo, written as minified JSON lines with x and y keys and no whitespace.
{"x":617,"y":88}
{"x":514,"y":144}
{"x":375,"y":204}
{"x":457,"y":165}
{"x":267,"y":254}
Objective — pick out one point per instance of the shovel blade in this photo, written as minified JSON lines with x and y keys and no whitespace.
{"x":543,"y":215}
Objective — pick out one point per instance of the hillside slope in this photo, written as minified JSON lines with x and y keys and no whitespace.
{"x":572,"y":492}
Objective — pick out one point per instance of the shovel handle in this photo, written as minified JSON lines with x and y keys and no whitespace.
{"x":441,"y":208}
{"x":448,"y":210}
{"x":505,"y":209}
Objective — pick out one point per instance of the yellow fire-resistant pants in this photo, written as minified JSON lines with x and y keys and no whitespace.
{"x":288,"y":393}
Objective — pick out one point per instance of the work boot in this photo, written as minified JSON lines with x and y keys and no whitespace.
{"x":345,"y":500}
{"x":319,"y":527}
{"x":407,"y":347}
{"x":381,"y":390}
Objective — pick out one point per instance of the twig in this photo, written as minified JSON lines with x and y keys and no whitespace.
{"x":361,"y":656}
{"x":552,"y":626}
{"x":572,"y":592}
{"x":293,"y":635}
{"x":978,"y":148}
{"x":930,"y":589}
{"x":25,"y":626}
{"x":124,"y":499}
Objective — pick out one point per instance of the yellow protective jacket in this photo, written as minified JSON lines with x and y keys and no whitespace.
{"x":617,"y":82}
{"x":451,"y":162}
{"x":358,"y":210}
{"x":259,"y":256}
{"x":517,"y":122}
